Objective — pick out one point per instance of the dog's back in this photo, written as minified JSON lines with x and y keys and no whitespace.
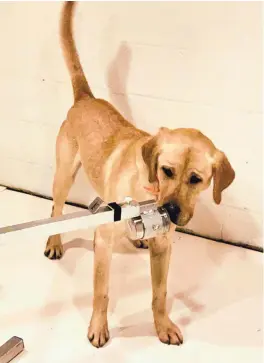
{"x":96,"y":126}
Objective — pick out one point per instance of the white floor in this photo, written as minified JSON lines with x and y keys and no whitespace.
{"x":215,"y":295}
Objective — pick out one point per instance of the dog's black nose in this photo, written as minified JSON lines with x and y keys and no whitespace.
{"x":173,"y":211}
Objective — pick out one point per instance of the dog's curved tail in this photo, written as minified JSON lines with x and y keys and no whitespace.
{"x":79,"y":83}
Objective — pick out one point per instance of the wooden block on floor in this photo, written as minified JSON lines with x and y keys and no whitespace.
{"x":10,"y":349}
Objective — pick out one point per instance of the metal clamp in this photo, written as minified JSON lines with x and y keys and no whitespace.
{"x":153,"y":221}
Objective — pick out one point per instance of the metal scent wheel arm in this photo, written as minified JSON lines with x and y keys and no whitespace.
{"x":144,"y":220}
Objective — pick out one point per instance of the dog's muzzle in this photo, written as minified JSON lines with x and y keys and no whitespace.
{"x":153,"y":221}
{"x":173,"y":210}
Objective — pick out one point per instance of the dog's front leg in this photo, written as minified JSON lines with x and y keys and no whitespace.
{"x":103,"y":240}
{"x":160,"y":251}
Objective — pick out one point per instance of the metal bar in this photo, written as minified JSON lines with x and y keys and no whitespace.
{"x":11,"y":349}
{"x":66,"y":223}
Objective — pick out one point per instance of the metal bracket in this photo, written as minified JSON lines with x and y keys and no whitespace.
{"x":95,"y":205}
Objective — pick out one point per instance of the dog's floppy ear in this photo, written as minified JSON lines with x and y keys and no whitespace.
{"x":223,"y":175}
{"x":150,"y":157}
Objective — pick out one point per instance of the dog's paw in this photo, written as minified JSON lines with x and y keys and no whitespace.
{"x":98,"y":335}
{"x":54,"y":248}
{"x":168,"y":332}
{"x":141,"y":244}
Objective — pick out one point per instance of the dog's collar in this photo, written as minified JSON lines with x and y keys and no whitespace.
{"x":152,"y":189}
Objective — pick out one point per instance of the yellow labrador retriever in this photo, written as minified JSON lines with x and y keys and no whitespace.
{"x":121,"y":160}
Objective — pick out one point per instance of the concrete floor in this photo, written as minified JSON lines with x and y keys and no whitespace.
{"x":215,"y":295}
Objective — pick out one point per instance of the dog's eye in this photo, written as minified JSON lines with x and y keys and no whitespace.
{"x":194,"y":179}
{"x":167,"y":171}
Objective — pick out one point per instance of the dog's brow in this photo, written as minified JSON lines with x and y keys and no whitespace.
{"x":166,"y":162}
{"x":196,"y":171}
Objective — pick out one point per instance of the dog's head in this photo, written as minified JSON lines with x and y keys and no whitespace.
{"x":181,"y":164}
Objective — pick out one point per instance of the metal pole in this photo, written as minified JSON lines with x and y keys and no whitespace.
{"x":66,"y":223}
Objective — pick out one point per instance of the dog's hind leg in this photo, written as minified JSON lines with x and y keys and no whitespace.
{"x":67,"y":166}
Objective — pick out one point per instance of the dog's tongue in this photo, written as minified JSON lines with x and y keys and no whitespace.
{"x":153,"y":189}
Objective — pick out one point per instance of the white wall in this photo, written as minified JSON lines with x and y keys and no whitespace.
{"x":172,"y":64}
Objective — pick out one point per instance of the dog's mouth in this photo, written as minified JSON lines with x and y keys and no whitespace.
{"x":183,"y":220}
